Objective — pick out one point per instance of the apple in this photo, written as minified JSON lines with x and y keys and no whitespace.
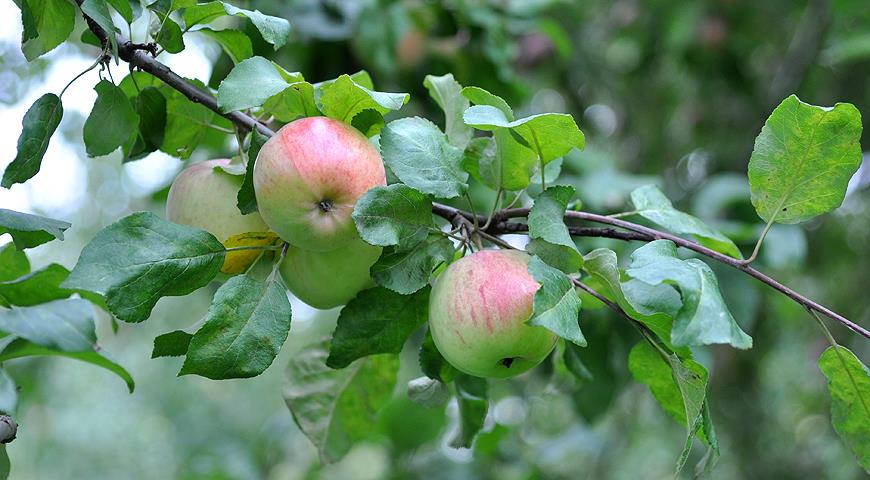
{"x":478,"y":310}
{"x":204,"y":196}
{"x":328,"y":279}
{"x":308,"y":177}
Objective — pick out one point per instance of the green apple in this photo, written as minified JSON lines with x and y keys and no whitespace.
{"x":329,"y":279}
{"x":308,"y":177}
{"x":478,"y":311}
{"x":204,"y":196}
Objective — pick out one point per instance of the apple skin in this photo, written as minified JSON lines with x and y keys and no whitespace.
{"x":204,"y":197}
{"x":308,"y":177}
{"x":478,"y":311}
{"x":328,"y":279}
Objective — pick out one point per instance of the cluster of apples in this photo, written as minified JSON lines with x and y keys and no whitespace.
{"x":307,"y":179}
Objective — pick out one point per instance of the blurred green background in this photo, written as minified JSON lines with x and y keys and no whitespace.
{"x":667,"y":92}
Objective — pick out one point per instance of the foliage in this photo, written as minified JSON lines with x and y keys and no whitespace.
{"x":452,"y":188}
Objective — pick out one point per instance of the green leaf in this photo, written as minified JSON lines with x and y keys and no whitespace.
{"x":337,"y":408}
{"x":406,"y":271}
{"x":235,"y":43}
{"x":295,"y":101}
{"x":47,"y":24}
{"x":13,"y":263}
{"x":602,"y":264}
{"x":166,"y":32}
{"x":112,"y":120}
{"x":704,"y":318}
{"x":30,"y":230}
{"x":38,"y":125}
{"x":376,"y":321}
{"x":140,"y":258}
{"x":151,"y":107}
{"x":187,"y":123}
{"x":41,"y":286}
{"x":803,"y":160}
{"x":447,"y":93}
{"x":8,"y":394}
{"x":550,"y":238}
{"x":123,"y":7}
{"x":20,"y":348}
{"x":479,"y":96}
{"x":849,"y":386}
{"x":473,"y":402}
{"x":65,"y":325}
{"x":250,"y":84}
{"x":247,"y":198}
{"x":393,"y":215}
{"x":550,"y":135}
{"x":275,"y":30}
{"x":679,"y":387}
{"x":653,"y":205}
{"x":428,"y":392}
{"x":432,"y":363}
{"x":343,"y":98}
{"x":171,"y":344}
{"x":202,"y":13}
{"x":247,"y":324}
{"x":556,"y":306}
{"x":420,"y":156}
{"x":98,"y":10}
{"x":480,"y":150}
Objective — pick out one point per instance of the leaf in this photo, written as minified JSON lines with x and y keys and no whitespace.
{"x":47,"y":24}
{"x":250,"y":84}
{"x":420,"y":156}
{"x":337,"y":408}
{"x":556,"y":305}
{"x":123,"y":8}
{"x":550,"y":135}
{"x":8,"y":394}
{"x":235,"y":43}
{"x":432,"y":363}
{"x":247,"y":198}
{"x":803,"y":160}
{"x":20,"y":348}
{"x":376,"y":321}
{"x":550,"y":238}
{"x":112,"y":120}
{"x":428,"y":392}
{"x":447,"y":93}
{"x":680,"y":388}
{"x":602,"y":264}
{"x":295,"y":101}
{"x":98,"y":10}
{"x":38,"y":125}
{"x":849,"y":386}
{"x":247,"y":324}
{"x":344,"y":97}
{"x":202,"y":13}
{"x":275,"y":30}
{"x":151,"y":107}
{"x":479,"y":96}
{"x":13,"y":263}
{"x":473,"y":402}
{"x":393,"y":215}
{"x":407,"y":271}
{"x":140,"y":258}
{"x":30,"y":230}
{"x":187,"y":123}
{"x":171,"y":344}
{"x":41,"y":286}
{"x":704,"y":318}
{"x":169,"y":36}
{"x":653,"y":205}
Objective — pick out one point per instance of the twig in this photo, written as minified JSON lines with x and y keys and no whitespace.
{"x":139,"y":58}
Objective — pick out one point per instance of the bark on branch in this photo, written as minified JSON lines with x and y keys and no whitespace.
{"x":502,"y":223}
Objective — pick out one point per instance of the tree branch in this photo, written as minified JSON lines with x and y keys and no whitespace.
{"x":500,"y":224}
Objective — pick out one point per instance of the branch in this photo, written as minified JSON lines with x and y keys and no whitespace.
{"x":138,"y":57}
